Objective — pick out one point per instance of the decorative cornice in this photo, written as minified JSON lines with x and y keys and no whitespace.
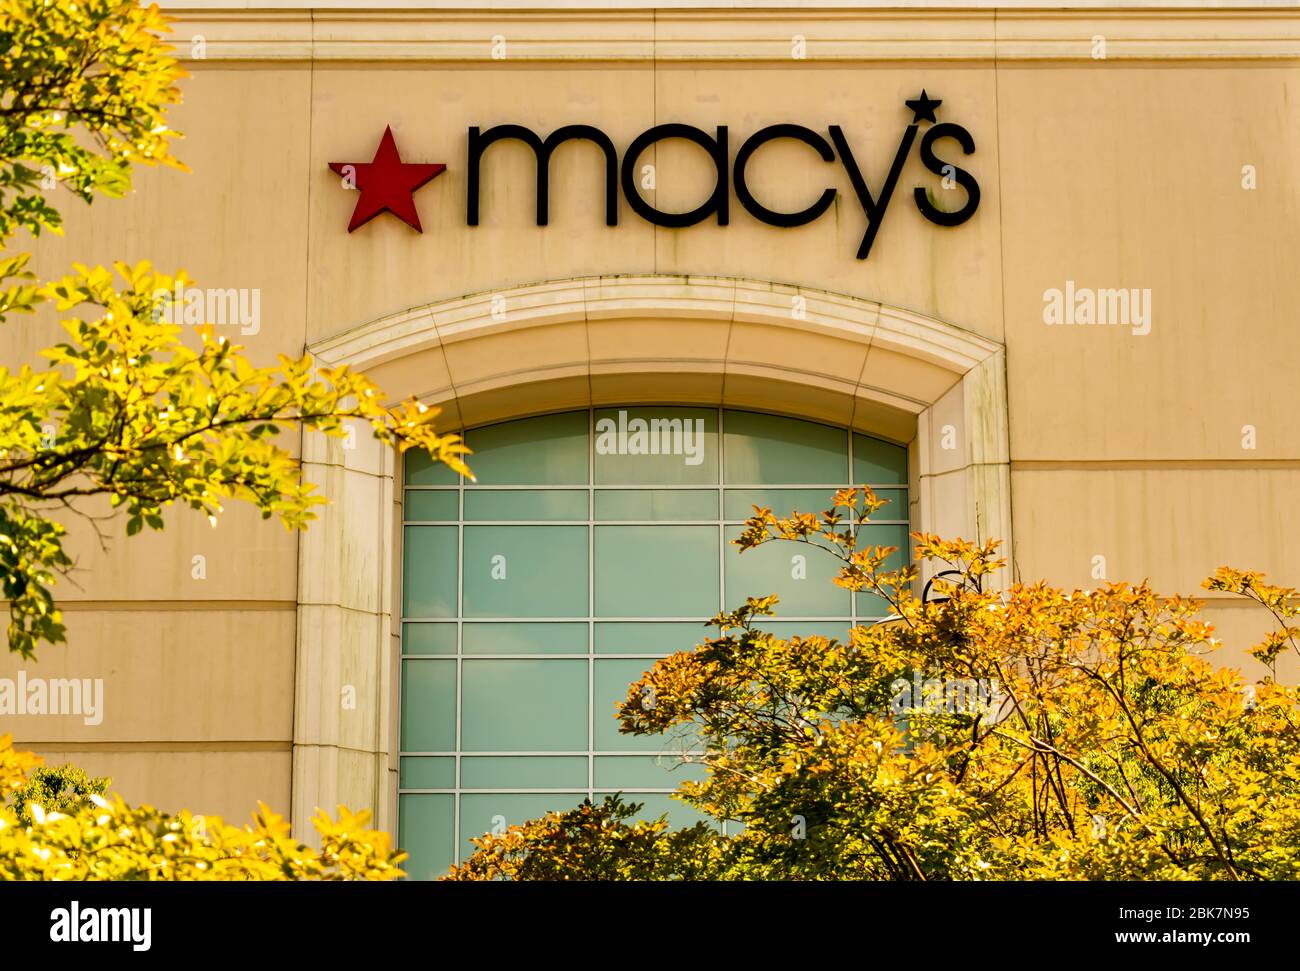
{"x":502,"y":37}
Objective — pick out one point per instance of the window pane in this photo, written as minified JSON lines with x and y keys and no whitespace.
{"x":870,"y":605}
{"x":650,"y":638}
{"x":528,"y":586}
{"x":427,"y":773}
{"x":880,"y":462}
{"x":524,"y":706}
{"x":888,"y":535}
{"x":656,"y":804}
{"x":656,"y":571}
{"x":515,"y":638}
{"x":428,"y":705}
{"x":524,"y":505}
{"x":652,"y":446}
{"x":437,"y":638}
{"x":838,"y":630}
{"x":644,"y":771}
{"x":647,"y":504}
{"x":612,"y":680}
{"x":430,"y":505}
{"x":525,"y":571}
{"x":429,"y":571}
{"x":420,"y":469}
{"x":427,"y":830}
{"x":481,"y":812}
{"x":548,"y":450}
{"x":740,"y":503}
{"x":769,"y":448}
{"x":523,"y":772}
{"x":798,"y":574}
{"x":897,"y":507}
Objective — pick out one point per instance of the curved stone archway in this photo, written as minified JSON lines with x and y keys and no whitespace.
{"x":608,"y":340}
{"x":570,"y":343}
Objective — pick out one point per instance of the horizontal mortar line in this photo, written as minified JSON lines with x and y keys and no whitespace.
{"x":640,"y":13}
{"x":541,"y":790}
{"x":600,"y":523}
{"x":532,"y":655}
{"x":175,"y":605}
{"x":1013,"y":52}
{"x":347,"y":608}
{"x":677,"y":757}
{"x":1212,"y":598}
{"x":960,"y":468}
{"x":80,"y":745}
{"x":338,"y":748}
{"x":1224,"y":599}
{"x":824,"y":46}
{"x":307,"y":466}
{"x":1120,"y":465}
{"x":605,"y":620}
{"x":488,"y":487}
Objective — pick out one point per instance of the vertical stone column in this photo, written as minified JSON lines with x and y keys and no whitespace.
{"x":343,"y":724}
{"x":962,"y":465}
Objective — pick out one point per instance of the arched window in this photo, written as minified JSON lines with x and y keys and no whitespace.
{"x":592,"y":543}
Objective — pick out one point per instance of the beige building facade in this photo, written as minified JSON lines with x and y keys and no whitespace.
{"x":1096,"y":364}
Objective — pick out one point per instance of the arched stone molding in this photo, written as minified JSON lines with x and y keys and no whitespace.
{"x":573,"y":343}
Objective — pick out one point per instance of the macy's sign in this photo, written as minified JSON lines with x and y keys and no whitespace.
{"x":387,"y":184}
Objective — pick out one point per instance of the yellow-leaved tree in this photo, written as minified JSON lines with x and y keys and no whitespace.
{"x":127,"y":409}
{"x":978,"y":734}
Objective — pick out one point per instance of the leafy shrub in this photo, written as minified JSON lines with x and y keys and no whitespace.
{"x":87,"y":836}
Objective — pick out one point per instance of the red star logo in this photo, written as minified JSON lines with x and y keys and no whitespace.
{"x":386,"y":183}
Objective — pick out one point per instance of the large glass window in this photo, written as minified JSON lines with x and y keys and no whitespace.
{"x":593,"y":543}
